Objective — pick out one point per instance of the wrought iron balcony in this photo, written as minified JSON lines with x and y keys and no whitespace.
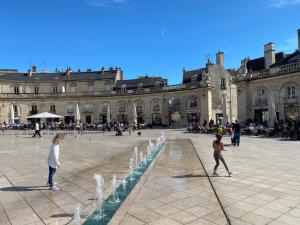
{"x":261,"y":102}
{"x":291,"y":100}
{"x":156,"y":108}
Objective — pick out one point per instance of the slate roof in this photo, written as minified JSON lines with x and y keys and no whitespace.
{"x":146,"y":81}
{"x":259,"y":63}
{"x":291,"y":58}
{"x":56,"y":77}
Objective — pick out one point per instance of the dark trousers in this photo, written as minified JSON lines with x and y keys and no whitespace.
{"x":237,"y":137}
{"x":51,"y":175}
{"x":37,"y":132}
{"x":219,"y":156}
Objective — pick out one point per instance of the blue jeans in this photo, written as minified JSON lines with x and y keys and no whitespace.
{"x":51,"y":175}
{"x":237,"y":137}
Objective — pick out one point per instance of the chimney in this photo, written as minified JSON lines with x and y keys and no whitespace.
{"x":298,"y":31}
{"x":102,"y":69}
{"x":69,"y":71}
{"x":29,"y":73}
{"x":34,"y":69}
{"x":220,"y":59}
{"x":269,"y":55}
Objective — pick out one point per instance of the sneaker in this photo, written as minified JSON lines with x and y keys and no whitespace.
{"x":53,"y":183}
{"x":54,"y":188}
{"x":215,"y":174}
{"x":229,"y":173}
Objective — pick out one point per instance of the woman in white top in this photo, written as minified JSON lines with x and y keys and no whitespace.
{"x":53,"y":162}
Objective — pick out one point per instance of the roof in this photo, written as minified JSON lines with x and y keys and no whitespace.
{"x":259,"y":63}
{"x":291,"y":58}
{"x":146,"y":81}
{"x":56,"y":77}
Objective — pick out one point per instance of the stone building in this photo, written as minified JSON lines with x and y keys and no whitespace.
{"x":96,"y":92}
{"x":224,"y":96}
{"x":268,"y":87}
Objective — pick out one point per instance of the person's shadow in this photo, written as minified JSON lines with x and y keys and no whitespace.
{"x":24,"y":188}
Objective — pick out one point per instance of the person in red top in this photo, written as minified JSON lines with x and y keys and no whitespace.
{"x":218,"y":148}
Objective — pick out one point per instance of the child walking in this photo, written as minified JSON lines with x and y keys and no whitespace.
{"x":218,"y":148}
{"x":53,"y":162}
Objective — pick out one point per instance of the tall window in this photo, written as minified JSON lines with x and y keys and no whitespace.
{"x":260,"y":93}
{"x":91,"y":87}
{"x":34,"y":109}
{"x":70,"y":108}
{"x":16,"y":90}
{"x":73,"y":86}
{"x":15,"y":110}
{"x":139,"y":106}
{"x":55,"y":90}
{"x":122,"y":107}
{"x":52,"y":109}
{"x":36,"y":90}
{"x":291,"y":92}
{"x":223,"y":83}
{"x":193,"y":102}
{"x":88,"y":108}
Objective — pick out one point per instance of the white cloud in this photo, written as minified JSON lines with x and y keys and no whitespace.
{"x":289,"y":44}
{"x":282,"y":3}
{"x":104,"y":3}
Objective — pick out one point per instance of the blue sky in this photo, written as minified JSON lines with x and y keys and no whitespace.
{"x":155,"y":37}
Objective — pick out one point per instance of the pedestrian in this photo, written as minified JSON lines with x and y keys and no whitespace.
{"x":37,"y":129}
{"x":237,"y":133}
{"x":129,"y":128}
{"x":218,"y":147}
{"x":53,"y":162}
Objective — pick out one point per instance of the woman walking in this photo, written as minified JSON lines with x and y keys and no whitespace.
{"x":53,"y":162}
{"x":218,"y":148}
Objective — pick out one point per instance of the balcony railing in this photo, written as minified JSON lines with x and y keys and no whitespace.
{"x":261,"y":102}
{"x":289,"y":68}
{"x":290,"y":101}
{"x":156,"y":108}
{"x":169,"y":88}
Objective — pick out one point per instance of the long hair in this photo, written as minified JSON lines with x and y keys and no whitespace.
{"x":57,"y":139}
{"x":219,"y":138}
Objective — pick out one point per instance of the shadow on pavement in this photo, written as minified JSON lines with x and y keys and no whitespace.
{"x":23,"y":188}
{"x":194,"y":175}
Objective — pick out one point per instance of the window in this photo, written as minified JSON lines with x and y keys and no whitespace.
{"x":55,"y":90}
{"x":91,"y":87}
{"x":52,"y":108}
{"x":140,"y":85}
{"x":157,"y":85}
{"x":223,"y":83}
{"x":87,"y":108}
{"x":193,"y":102}
{"x":15,"y":110}
{"x":73,"y":86}
{"x":291,"y":92}
{"x":36,"y":90}
{"x":139,"y":106}
{"x":16,"y":90}
{"x":70,"y":108}
{"x":156,"y":106}
{"x":123,"y":87}
{"x":33,"y":109}
{"x":104,"y":108}
{"x":122,"y":107}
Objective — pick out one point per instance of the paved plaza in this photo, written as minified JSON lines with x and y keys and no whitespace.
{"x":265,"y":188}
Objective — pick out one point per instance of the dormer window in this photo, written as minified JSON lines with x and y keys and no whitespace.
{"x":157,"y":85}
{"x":140,"y":85}
{"x":123,"y":87}
{"x":54,"y":89}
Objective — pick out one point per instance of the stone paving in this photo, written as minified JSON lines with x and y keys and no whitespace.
{"x":24,"y":196}
{"x":176,"y":192}
{"x":265,"y":190}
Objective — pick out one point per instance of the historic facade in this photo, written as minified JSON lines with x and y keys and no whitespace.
{"x":211,"y":95}
{"x":268,"y":87}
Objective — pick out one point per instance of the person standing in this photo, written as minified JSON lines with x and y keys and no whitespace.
{"x":218,"y":147}
{"x":37,"y":129}
{"x":53,"y":162}
{"x":237,"y":133}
